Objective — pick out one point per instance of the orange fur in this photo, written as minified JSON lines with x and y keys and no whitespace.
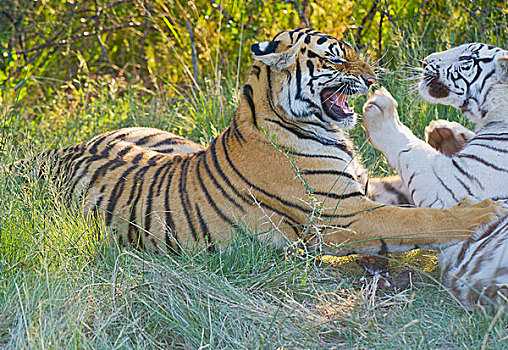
{"x":165,"y":201}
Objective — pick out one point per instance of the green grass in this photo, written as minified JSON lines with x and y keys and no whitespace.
{"x":62,"y":287}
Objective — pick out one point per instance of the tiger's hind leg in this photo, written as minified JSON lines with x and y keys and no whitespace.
{"x":447,"y":137}
{"x":389,"y":190}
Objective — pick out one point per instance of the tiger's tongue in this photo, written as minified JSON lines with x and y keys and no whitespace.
{"x":338,"y":100}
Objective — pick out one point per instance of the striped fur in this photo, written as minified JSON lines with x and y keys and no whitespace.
{"x":295,"y":94}
{"x":389,"y":190}
{"x":476,"y":271}
{"x":458,"y":162}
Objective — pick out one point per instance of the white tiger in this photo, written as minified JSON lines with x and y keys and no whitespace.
{"x":474,"y":78}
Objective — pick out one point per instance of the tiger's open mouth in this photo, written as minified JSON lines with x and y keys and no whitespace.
{"x":335,"y":104}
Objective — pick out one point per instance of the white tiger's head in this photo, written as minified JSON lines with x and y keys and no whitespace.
{"x":311,"y":76}
{"x":464,"y":76}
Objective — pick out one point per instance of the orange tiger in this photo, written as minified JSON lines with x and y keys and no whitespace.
{"x":162,"y":192}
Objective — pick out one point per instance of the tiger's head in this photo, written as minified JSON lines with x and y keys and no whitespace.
{"x":312,"y":77}
{"x":464,"y":76}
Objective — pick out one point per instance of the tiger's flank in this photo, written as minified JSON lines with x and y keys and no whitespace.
{"x":162,"y":192}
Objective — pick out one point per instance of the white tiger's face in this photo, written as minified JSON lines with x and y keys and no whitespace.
{"x":313,"y":77}
{"x":463,"y":76}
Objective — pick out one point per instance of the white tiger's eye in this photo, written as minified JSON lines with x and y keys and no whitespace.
{"x":466,"y":65}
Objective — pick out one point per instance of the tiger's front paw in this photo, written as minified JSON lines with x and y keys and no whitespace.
{"x":447,"y":137}
{"x":383,"y":102}
{"x":380,"y":118}
{"x":481,"y":213}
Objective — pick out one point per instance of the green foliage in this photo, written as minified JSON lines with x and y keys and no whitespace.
{"x":70,"y":70}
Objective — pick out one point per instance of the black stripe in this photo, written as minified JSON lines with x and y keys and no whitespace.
{"x":256,"y":71}
{"x":216,"y":183}
{"x":120,"y":135}
{"x":89,"y":161}
{"x":202,"y":224}
{"x":495,"y":230}
{"x":466,"y":174}
{"x":209,"y":199}
{"x":489,"y":137}
{"x":468,"y":190}
{"x":411,"y":179}
{"x":339,"y":196}
{"x":213,"y":152}
{"x":172,"y":141}
{"x":270,"y":48}
{"x":184,"y":198}
{"x":488,"y":146}
{"x":236,"y":132}
{"x":322,"y":40}
{"x":104,"y":169}
{"x":125,"y":150}
{"x":485,"y":80}
{"x":250,"y":184}
{"x":284,"y":215}
{"x":152,"y":161}
{"x":95,"y":143}
{"x":310,"y":84}
{"x":301,"y":133}
{"x":293,"y":226}
{"x":168,"y":166}
{"x":116,"y":193}
{"x":358,"y":212}
{"x":165,"y":151}
{"x":403,"y":151}
{"x":170,"y":225}
{"x":137,"y":158}
{"x":444,"y":185}
{"x":318,"y":156}
{"x":247,"y":94}
{"x":328,"y":172}
{"x":481,"y":160}
{"x":144,"y":140}
{"x":133,"y":228}
{"x":150,"y":195}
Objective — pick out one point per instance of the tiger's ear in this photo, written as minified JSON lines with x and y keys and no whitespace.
{"x":275,"y":54}
{"x":502,"y":67}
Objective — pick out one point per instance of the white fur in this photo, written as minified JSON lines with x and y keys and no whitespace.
{"x":439,"y":181}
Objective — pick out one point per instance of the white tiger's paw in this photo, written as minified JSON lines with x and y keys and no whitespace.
{"x":382,"y":101}
{"x":380,"y":118}
{"x":447,"y":137}
{"x":380,"y":107}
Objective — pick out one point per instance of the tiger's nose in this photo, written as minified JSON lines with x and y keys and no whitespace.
{"x":369,"y":81}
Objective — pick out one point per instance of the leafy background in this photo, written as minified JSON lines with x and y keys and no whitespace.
{"x":72,"y":69}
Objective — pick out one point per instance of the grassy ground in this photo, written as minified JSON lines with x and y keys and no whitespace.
{"x":61,"y":287}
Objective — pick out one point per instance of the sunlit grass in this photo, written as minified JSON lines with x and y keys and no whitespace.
{"x":64,"y":284}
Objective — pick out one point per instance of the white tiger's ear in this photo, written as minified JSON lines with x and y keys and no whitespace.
{"x":275,"y":54}
{"x":502,"y":67}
